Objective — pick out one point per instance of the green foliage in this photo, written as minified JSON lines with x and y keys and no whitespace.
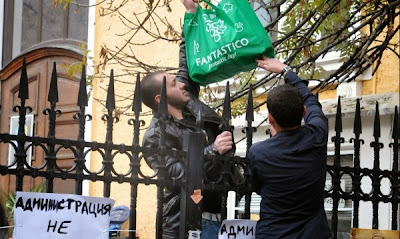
{"x":11,"y":197}
{"x":66,"y":3}
{"x":328,"y":24}
{"x":76,"y":67}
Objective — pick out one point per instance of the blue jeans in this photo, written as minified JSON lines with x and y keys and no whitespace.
{"x":209,"y":229}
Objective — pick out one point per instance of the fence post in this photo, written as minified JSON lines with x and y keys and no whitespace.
{"x":376,"y":191}
{"x":395,"y":169}
{"x":108,"y":158}
{"x":52,"y":112}
{"x":20,"y":154}
{"x":81,"y":117}
{"x":249,"y":141}
{"x":192,"y":183}
{"x":337,"y":139}
{"x":135,"y":163}
{"x":225,"y":126}
{"x":161,"y":165}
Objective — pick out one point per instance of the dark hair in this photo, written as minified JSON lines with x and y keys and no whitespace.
{"x":150,"y":87}
{"x":285,"y":103}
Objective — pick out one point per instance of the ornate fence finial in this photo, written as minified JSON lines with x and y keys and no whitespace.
{"x":226,"y":112}
{"x":110,"y":102}
{"x":82,"y":95}
{"x":377,"y":122}
{"x":137,"y":98}
{"x":249,"y":129}
{"x":53,"y":90}
{"x":163,"y":107}
{"x":23,"y":93}
{"x":396,"y":130}
{"x":199,"y":121}
{"x":250,"y":107}
{"x":338,"y":122}
{"x":357,"y":119}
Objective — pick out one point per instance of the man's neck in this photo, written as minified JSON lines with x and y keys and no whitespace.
{"x":280,"y":129}
{"x":175,"y":112}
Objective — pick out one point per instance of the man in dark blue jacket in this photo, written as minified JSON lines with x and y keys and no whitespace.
{"x":289,"y":169}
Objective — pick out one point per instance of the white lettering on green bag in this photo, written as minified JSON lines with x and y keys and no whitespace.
{"x":224,"y":40}
{"x":222,"y":51}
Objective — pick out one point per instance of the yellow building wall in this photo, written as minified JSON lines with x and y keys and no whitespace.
{"x":160,"y":53}
{"x":386,"y":79}
{"x":327,"y":94}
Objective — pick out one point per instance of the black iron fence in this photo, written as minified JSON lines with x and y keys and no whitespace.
{"x":191,"y":157}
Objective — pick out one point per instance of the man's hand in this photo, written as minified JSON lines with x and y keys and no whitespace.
{"x":271,"y":65}
{"x":223,"y":143}
{"x":190,"y":5}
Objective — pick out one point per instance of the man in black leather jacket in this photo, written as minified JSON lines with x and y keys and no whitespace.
{"x":183,"y":106}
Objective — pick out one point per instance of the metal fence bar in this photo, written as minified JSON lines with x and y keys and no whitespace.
{"x":135,"y":163}
{"x":357,"y":130}
{"x":162,"y":114}
{"x":337,"y":139}
{"x":225,"y":126}
{"x":375,"y":173}
{"x":51,"y":112}
{"x":20,"y":154}
{"x":192,"y":188}
{"x":108,"y":160}
{"x":395,"y":168}
{"x":81,"y":117}
{"x":249,"y":141}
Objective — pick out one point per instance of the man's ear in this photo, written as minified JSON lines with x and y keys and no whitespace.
{"x":271,"y":119}
{"x":304,"y":111}
{"x":157,"y":99}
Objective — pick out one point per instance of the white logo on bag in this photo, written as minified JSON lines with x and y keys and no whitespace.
{"x":216,"y":29}
{"x":196,"y":47}
{"x":238,"y":27}
{"x":227,"y":7}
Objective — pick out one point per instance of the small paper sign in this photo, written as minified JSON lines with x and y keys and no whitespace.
{"x":196,"y":196}
{"x":61,"y":216}
{"x":237,"y":228}
{"x":194,"y":234}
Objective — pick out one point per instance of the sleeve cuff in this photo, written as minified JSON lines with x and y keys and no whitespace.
{"x":292,"y":78}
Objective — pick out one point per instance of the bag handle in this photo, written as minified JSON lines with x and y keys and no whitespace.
{"x":209,"y":4}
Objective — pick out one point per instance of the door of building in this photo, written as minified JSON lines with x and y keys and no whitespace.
{"x":39,"y":70}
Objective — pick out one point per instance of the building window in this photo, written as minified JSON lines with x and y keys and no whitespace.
{"x":29,"y":129}
{"x":28,"y":23}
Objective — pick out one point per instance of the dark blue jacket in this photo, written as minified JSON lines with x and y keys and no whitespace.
{"x":289,"y":172}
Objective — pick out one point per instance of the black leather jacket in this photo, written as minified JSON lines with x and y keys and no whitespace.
{"x":175,"y":129}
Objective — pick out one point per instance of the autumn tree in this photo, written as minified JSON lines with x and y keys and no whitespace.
{"x":302,"y":32}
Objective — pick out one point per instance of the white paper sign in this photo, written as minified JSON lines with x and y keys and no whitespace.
{"x":237,"y":229}
{"x":61,"y":216}
{"x":328,"y":202}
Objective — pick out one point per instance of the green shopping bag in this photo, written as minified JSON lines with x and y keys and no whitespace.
{"x":224,"y":41}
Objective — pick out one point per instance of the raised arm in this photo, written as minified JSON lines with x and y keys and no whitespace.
{"x":183,"y":72}
{"x":314,"y":114}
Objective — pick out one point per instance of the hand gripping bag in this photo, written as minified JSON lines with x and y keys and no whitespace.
{"x":224,"y":40}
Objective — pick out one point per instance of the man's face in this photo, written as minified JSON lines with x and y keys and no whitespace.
{"x":176,"y":93}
